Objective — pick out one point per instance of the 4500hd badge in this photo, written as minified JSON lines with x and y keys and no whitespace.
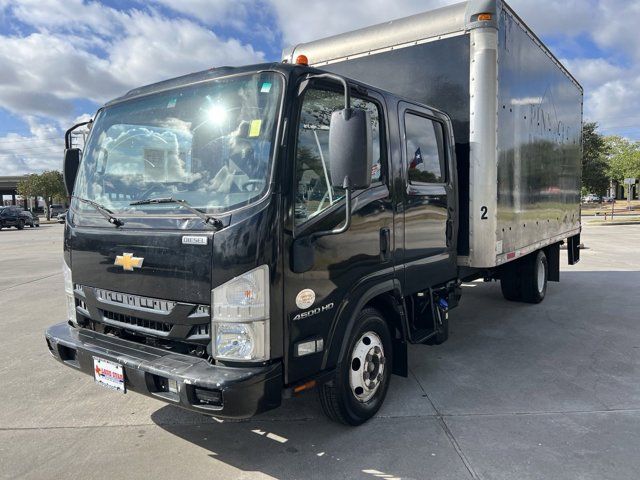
{"x":313,"y":311}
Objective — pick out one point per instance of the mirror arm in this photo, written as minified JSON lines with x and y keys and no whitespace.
{"x":67,"y":135}
{"x":338,"y":78}
{"x":347,"y":222}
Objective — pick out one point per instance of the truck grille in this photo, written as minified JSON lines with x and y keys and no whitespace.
{"x":144,"y":316}
{"x":137,"y":322}
{"x":199,"y":330}
{"x":135,"y":301}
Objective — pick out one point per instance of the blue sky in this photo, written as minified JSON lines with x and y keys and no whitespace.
{"x":59,"y":60}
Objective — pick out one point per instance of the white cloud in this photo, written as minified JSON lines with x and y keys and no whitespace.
{"x":611,"y":23}
{"x":213,"y":13}
{"x":304,"y":21}
{"x":41,"y":150}
{"x":70,"y":15}
{"x":79,"y":49}
{"x":42,"y":72}
{"x":84,"y":50}
{"x":156,"y":48}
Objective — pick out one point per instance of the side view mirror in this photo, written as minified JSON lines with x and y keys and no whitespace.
{"x":350,"y":148}
{"x":71,"y":158}
{"x":70,"y":168}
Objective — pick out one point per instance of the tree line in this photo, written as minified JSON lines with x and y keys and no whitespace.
{"x":606,"y":159}
{"x":49,"y":185}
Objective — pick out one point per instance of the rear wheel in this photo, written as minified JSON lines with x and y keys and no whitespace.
{"x":534,"y":278}
{"x":525,"y":280}
{"x":362,"y":377}
{"x":510,"y":282}
{"x":20,"y":225}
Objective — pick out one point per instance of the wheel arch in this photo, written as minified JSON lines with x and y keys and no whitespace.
{"x":385,"y":297}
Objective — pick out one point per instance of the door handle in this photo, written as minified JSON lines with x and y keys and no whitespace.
{"x":385,"y":243}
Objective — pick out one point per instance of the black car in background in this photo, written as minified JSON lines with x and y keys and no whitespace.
{"x":13,"y":216}
{"x":30,"y":218}
{"x":56,"y":209}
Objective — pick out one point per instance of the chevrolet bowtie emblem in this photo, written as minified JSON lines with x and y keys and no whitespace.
{"x":128,"y":262}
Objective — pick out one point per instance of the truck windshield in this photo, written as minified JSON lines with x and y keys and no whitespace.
{"x":209,"y":144}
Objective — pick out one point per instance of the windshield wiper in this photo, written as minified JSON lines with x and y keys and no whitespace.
{"x":102,"y":210}
{"x":208,"y":219}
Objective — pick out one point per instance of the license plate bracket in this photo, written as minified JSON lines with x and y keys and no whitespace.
{"x":109,"y":374}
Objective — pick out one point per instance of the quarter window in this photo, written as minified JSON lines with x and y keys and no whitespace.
{"x":313,"y":171}
{"x":424,"y":150}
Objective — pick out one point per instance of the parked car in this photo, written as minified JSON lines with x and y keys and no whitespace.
{"x":591,"y":198}
{"x":30,"y":218}
{"x":56,"y":209}
{"x":61,"y":217}
{"x":608,"y":199}
{"x":11,"y":216}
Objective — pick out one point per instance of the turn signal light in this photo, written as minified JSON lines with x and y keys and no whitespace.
{"x":302,"y":60}
{"x":305,"y":386}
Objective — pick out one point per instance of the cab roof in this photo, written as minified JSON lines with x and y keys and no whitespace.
{"x":201,"y":76}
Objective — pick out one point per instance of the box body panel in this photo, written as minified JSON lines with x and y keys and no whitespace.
{"x":516,"y":114}
{"x":539,"y":144}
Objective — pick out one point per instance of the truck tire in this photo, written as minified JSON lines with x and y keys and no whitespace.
{"x":535,"y":273}
{"x":525,"y":280}
{"x":20,"y":224}
{"x":362,"y":378}
{"x":510,"y":282}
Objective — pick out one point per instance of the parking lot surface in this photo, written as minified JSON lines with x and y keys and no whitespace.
{"x":518,"y":392}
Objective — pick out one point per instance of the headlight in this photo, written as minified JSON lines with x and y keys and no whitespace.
{"x":240,"y":317}
{"x":68,"y":291}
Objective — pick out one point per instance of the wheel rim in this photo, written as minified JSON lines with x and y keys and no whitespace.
{"x":541,"y":275}
{"x":366,"y":371}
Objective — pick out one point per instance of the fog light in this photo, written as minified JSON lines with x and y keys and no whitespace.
{"x":172,"y":385}
{"x":308,"y":347}
{"x":205,"y":396}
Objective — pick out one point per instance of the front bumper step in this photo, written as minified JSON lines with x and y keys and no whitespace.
{"x":228,"y":392}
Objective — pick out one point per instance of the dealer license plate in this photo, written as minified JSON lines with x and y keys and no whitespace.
{"x":108,"y":374}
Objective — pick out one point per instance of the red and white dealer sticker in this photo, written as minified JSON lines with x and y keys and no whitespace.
{"x":108,"y":374}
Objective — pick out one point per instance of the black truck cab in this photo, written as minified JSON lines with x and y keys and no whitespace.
{"x":241,"y":234}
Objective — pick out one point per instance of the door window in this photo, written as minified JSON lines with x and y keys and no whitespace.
{"x":312,"y":169}
{"x":424,"y":150}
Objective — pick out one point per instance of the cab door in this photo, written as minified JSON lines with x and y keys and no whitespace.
{"x":429,"y":200}
{"x":343,"y":264}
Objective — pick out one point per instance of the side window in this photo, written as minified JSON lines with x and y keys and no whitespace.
{"x":424,"y":149}
{"x":312,"y":169}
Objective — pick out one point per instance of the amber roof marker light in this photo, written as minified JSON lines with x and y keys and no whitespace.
{"x":484,"y":17}
{"x":302,"y":60}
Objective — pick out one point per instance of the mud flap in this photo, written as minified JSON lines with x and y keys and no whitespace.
{"x":573,"y":249}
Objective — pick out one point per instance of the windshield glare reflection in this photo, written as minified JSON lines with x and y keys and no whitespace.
{"x":208,"y":144}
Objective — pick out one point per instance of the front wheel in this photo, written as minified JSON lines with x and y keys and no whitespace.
{"x":362,"y":377}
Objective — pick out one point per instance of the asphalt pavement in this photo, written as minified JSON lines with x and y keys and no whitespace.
{"x":549,"y":391}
